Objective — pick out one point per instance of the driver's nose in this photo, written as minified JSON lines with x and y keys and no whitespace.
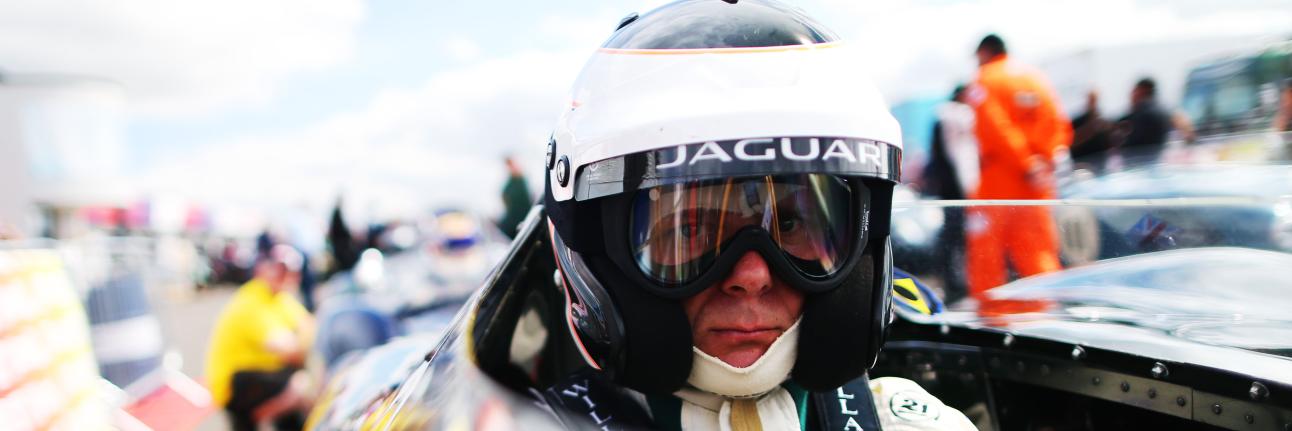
{"x":750,"y":276}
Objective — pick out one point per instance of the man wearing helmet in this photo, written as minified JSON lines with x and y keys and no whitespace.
{"x":719,"y":193}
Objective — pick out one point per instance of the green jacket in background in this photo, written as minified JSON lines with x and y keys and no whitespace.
{"x":516,"y":202}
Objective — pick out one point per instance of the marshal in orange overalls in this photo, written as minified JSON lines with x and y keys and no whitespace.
{"x":1020,"y":126}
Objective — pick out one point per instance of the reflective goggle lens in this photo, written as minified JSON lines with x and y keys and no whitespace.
{"x":679,"y":230}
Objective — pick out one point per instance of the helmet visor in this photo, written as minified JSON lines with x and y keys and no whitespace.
{"x":679,"y":230}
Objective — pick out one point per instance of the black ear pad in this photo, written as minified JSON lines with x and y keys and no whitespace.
{"x":568,"y":216}
{"x":656,"y":357}
{"x":839,"y":334}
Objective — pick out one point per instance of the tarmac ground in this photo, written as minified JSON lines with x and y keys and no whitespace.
{"x":187,"y":320}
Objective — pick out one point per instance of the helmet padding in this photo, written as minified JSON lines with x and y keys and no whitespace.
{"x":656,"y":357}
{"x":839,"y":331}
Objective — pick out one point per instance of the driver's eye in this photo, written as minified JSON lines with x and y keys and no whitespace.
{"x":694,"y":232}
{"x":789,"y":225}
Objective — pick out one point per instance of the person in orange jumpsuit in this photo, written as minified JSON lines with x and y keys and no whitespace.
{"x":1021,"y":132}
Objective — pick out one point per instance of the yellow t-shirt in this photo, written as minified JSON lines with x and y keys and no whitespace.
{"x":238,"y":342}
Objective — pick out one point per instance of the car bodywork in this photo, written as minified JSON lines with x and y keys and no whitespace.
{"x":1231,"y":169}
{"x":1185,"y":337}
{"x":1169,"y":340}
{"x":458,"y":381}
{"x":1184,"y":328}
{"x":407,"y":293}
{"x":1260,"y":226}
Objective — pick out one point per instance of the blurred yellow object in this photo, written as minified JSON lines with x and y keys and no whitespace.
{"x":456,"y":225}
{"x":240,"y":339}
{"x":48,"y":378}
{"x":910,"y":295}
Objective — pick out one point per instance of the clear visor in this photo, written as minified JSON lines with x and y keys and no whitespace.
{"x":679,"y":230}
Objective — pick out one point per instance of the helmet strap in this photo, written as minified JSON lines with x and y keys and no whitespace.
{"x":711,"y":374}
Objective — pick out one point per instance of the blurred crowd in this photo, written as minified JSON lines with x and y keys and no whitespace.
{"x":303,"y":294}
{"x":1004,"y":136}
{"x":256,"y":364}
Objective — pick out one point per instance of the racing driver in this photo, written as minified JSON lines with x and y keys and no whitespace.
{"x":719,"y":192}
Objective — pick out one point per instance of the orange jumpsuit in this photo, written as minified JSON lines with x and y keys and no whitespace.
{"x":1019,"y":125}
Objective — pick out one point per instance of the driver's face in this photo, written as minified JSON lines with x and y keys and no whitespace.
{"x":737,"y":319}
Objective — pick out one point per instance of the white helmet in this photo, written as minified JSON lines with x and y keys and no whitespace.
{"x":699,"y":132}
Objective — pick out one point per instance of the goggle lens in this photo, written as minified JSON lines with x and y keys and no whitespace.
{"x":679,"y":230}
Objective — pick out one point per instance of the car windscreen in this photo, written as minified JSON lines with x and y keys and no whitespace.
{"x":1248,"y":164}
{"x":1190,"y":266}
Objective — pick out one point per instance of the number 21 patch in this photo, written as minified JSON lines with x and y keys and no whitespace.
{"x":914,"y":407}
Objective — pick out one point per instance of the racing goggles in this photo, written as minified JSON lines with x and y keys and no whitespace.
{"x":687,"y":236}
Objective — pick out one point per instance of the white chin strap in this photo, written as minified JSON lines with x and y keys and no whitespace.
{"x":726,"y":398}
{"x":712,"y":375}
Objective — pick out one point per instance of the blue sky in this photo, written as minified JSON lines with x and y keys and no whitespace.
{"x":402,"y":105}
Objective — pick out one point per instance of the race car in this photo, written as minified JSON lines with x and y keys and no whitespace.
{"x":1248,"y":168}
{"x":413,"y":292}
{"x":1188,"y":332}
{"x":1187,"y":336}
{"x":1128,"y":231}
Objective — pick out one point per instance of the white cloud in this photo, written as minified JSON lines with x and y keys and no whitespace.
{"x":439,"y":144}
{"x":922,"y":46}
{"x":462,"y":49}
{"x":179,"y":57}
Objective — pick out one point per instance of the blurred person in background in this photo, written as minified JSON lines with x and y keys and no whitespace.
{"x":345,"y":251}
{"x":9,"y":232}
{"x":1021,"y":134}
{"x":228,"y":263}
{"x":375,"y":237}
{"x":1146,"y":126}
{"x":306,"y":236}
{"x":1183,"y":125}
{"x":258,"y":348}
{"x":264,"y":243}
{"x":1283,"y":118}
{"x":516,"y":199}
{"x":1091,"y":136}
{"x":952,"y":173}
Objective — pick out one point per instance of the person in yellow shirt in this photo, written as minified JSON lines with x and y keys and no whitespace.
{"x":258,"y":348}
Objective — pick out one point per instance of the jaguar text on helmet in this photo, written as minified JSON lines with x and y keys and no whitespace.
{"x":852,"y":151}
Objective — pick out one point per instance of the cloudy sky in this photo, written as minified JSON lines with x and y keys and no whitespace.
{"x":405,"y":104}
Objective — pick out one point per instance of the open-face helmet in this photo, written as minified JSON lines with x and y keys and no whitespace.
{"x":702,"y":131}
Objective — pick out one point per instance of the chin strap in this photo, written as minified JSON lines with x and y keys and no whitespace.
{"x":712,"y":375}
